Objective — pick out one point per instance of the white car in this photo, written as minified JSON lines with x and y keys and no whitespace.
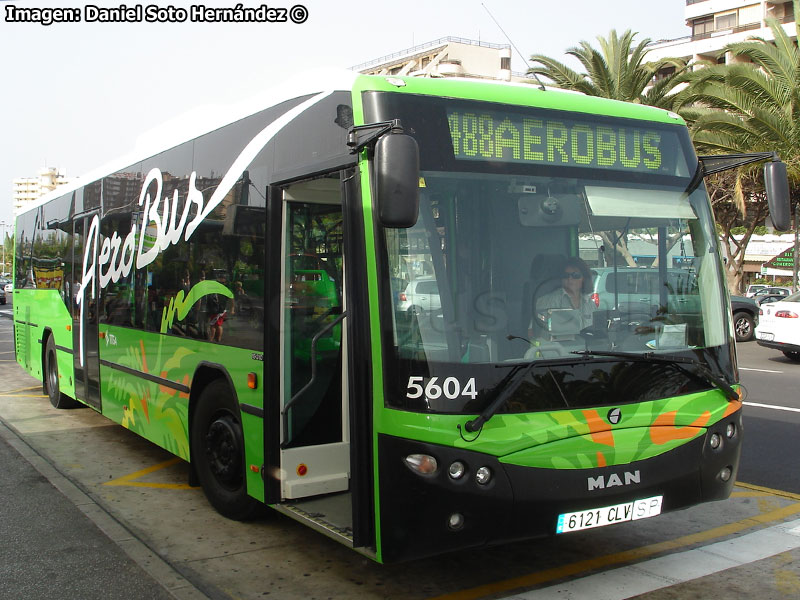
{"x":420,"y":296}
{"x":9,"y":288}
{"x":753,"y":289}
{"x":779,"y":326}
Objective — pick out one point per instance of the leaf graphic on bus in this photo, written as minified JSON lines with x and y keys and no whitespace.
{"x":182,"y":303}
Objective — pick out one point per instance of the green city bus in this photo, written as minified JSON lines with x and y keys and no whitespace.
{"x":241,"y":299}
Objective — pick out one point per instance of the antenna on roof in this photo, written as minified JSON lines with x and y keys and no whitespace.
{"x":513,"y":45}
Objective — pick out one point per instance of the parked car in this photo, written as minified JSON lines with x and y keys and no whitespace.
{"x":420,"y":296}
{"x":771,"y":294}
{"x":753,"y":289}
{"x":779,"y":326}
{"x":745,"y":317}
{"x":772,"y":289}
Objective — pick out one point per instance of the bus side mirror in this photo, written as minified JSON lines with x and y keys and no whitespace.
{"x":776,"y":183}
{"x":397,"y":180}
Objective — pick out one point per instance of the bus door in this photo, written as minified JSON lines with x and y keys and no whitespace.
{"x":86,"y":351}
{"x":315,"y":449}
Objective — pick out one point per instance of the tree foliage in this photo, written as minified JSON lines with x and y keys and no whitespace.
{"x":616,"y":70}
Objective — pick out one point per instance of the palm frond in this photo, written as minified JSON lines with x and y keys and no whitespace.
{"x":557,"y":72}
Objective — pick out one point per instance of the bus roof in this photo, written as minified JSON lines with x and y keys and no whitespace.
{"x":204,"y":119}
{"x":522,"y":94}
{"x":208,"y":118}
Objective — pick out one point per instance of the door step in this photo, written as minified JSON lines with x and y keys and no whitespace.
{"x":331,"y":515}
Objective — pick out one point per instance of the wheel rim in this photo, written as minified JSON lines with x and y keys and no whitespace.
{"x":223,"y":451}
{"x":743,"y":327}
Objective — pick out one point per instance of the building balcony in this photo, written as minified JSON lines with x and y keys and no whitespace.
{"x":727,"y":31}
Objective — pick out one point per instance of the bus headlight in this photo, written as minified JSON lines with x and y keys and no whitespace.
{"x":483,"y":475}
{"x":456,"y":470}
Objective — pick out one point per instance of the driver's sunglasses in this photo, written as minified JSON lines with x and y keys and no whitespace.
{"x":572,"y":275}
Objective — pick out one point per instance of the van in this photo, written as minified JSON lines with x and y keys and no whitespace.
{"x":635,"y":291}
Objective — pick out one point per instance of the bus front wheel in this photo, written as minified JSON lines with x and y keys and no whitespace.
{"x":217,"y":446}
{"x":51,"y":380}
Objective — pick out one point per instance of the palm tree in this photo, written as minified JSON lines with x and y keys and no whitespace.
{"x":617,"y":71}
{"x":749,"y":106}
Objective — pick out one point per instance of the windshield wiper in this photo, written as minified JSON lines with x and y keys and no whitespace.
{"x":508,"y":385}
{"x":682,"y":363}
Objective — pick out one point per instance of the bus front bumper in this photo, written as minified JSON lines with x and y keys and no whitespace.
{"x":423,"y":515}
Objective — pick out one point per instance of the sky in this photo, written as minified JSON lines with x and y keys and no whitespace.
{"x":78,"y":95}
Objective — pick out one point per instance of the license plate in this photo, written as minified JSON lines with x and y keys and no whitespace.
{"x":767,"y":337}
{"x":609,"y":515}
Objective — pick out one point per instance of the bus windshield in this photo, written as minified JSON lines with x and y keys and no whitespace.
{"x":505,"y":269}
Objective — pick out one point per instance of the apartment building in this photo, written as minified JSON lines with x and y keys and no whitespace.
{"x":717,"y":23}
{"x":447,"y":57}
{"x":28,"y":189}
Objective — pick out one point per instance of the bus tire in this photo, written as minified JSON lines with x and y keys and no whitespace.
{"x":51,"y":380}
{"x":217,"y":446}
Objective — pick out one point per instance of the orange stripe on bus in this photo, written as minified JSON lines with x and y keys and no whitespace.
{"x":733,"y":406}
{"x":598,"y":428}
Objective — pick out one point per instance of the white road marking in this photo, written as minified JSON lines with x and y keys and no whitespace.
{"x":772,"y":406}
{"x":759,"y":370}
{"x":677,"y":568}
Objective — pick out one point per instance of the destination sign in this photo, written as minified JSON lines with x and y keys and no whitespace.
{"x":485,"y":135}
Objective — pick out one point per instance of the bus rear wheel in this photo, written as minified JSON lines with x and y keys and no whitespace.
{"x":51,"y":380}
{"x":217,"y":446}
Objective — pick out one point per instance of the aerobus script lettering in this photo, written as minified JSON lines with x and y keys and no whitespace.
{"x":117,"y":257}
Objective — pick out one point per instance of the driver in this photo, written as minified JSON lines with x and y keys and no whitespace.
{"x":574,"y":293}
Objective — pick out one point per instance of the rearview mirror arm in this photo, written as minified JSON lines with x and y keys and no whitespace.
{"x":370,"y":134}
{"x":716,"y":163}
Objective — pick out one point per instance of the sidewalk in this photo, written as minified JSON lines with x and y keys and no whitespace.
{"x":49,"y":548}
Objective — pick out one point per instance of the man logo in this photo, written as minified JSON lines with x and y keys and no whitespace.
{"x":614,"y":480}
{"x":614,"y":415}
